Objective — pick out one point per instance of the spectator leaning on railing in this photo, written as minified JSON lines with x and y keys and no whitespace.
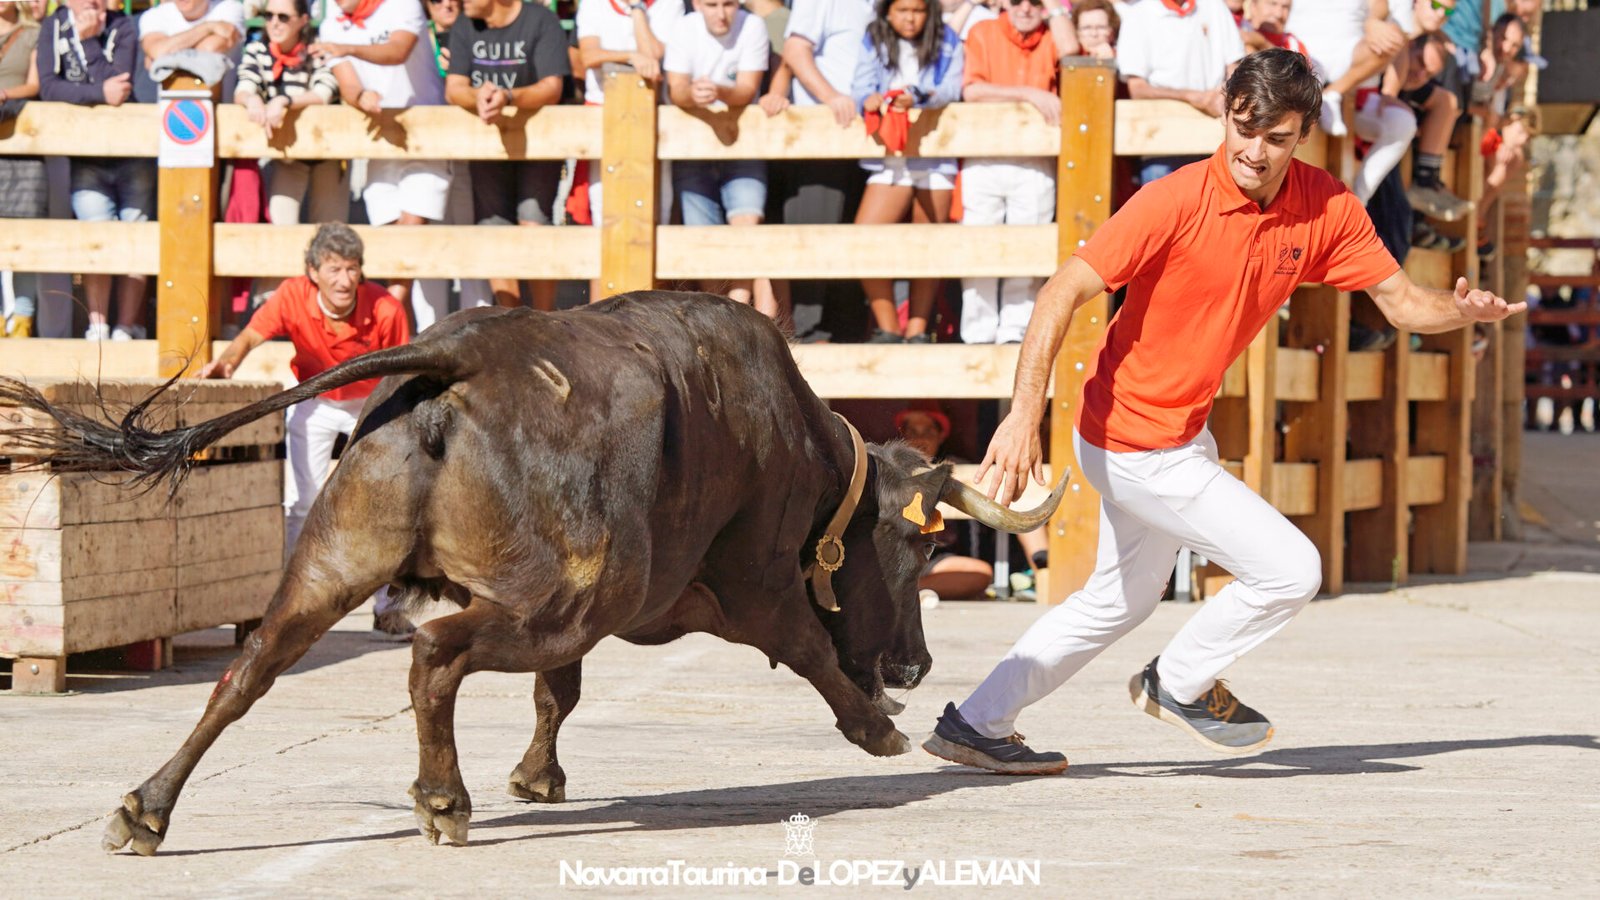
{"x":87,"y":56}
{"x":909,"y":58}
{"x":24,"y":191}
{"x":1177,"y":50}
{"x":442,"y":16}
{"x":716,"y":57}
{"x":820,"y":48}
{"x":382,"y":61}
{"x":279,"y":73}
{"x":1013,"y":58}
{"x":213,"y":26}
{"x":509,"y":57}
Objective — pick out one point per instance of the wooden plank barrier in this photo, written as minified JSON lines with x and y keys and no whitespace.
{"x":1353,"y":477}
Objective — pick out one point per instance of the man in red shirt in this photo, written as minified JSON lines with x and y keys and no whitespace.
{"x":1208,"y":255}
{"x":330,"y":315}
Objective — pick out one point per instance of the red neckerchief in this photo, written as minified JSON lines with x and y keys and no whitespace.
{"x":892,"y":126}
{"x":1025,"y":41}
{"x":1181,"y":7}
{"x":282,"y":60}
{"x":625,"y":11}
{"x":363,"y":12}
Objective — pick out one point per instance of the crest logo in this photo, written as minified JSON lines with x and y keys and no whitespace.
{"x":798,"y":835}
{"x":1289,"y":260}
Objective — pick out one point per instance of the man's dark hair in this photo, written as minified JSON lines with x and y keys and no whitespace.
{"x":336,"y":239}
{"x":1269,"y":85}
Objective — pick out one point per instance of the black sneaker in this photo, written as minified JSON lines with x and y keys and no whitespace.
{"x":1216,"y":719}
{"x":955,"y":740}
{"x":885,"y":337}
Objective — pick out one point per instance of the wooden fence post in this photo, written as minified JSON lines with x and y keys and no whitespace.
{"x":188,"y":309}
{"x":1083,"y":202}
{"x":1320,"y":319}
{"x":628,"y":198}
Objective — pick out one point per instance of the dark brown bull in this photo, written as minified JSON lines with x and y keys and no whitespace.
{"x":646,"y":467}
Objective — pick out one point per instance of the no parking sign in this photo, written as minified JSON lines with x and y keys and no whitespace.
{"x":188,"y":132}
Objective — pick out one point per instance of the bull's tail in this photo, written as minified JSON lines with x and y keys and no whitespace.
{"x":81,"y":443}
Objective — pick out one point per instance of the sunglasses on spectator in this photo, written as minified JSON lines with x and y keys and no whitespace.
{"x":1446,"y":7}
{"x":285,"y":18}
{"x":1032,"y":2}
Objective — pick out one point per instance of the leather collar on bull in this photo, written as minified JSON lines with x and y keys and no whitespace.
{"x":830,"y":549}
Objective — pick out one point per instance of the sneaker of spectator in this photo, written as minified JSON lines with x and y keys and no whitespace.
{"x":909,"y":59}
{"x":1436,"y":108}
{"x":716,"y":58}
{"x":508,"y":59}
{"x":381,"y":58}
{"x":1096,"y":23}
{"x":1177,"y":50}
{"x":1010,"y":59}
{"x":87,"y":55}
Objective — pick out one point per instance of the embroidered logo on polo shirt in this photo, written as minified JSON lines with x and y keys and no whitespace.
{"x":1289,"y":261}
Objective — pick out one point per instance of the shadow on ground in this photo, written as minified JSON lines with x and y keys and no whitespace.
{"x":768,"y":804}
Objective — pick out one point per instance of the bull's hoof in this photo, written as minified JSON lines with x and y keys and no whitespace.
{"x":892,"y":744}
{"x":548,"y":786}
{"x":888,"y":705}
{"x":129,"y":824}
{"x":439,"y":814}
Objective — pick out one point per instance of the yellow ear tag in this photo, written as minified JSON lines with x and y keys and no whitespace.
{"x":936,"y":525}
{"x":913,"y":512}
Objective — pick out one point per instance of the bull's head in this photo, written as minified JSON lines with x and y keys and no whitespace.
{"x":877,"y":630}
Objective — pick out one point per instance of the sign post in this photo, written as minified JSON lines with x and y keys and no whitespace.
{"x":187,"y":308}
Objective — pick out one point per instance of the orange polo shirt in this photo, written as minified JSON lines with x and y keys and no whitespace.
{"x":1205,"y":269}
{"x":996,"y":55}
{"x":378,"y":321}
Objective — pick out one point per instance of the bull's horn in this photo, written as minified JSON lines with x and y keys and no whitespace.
{"x":971,"y":501}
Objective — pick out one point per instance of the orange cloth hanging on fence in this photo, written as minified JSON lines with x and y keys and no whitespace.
{"x":892,"y":126}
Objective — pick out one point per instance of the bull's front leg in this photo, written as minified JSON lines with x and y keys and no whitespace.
{"x":539,"y":776}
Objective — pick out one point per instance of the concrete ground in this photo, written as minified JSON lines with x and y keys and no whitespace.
{"x":1441,"y":739}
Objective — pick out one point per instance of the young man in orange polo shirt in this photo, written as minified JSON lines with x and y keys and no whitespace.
{"x":1208,"y":255}
{"x":330,"y":315}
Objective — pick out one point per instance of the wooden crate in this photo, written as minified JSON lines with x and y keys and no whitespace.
{"x":87,"y":562}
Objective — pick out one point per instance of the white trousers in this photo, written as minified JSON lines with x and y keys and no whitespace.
{"x":1390,"y":128}
{"x":1003,"y":192}
{"x":314,"y":425}
{"x":1152,"y":504}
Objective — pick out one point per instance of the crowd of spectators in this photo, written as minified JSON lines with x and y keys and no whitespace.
{"x":1399,"y":75}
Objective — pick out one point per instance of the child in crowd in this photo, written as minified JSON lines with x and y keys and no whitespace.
{"x":909,"y":58}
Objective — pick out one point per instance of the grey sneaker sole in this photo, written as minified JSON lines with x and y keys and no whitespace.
{"x":1147,"y":705}
{"x":966,"y":756}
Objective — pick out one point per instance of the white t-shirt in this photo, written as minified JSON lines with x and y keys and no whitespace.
{"x":1188,"y":53}
{"x":907,"y":66}
{"x":1330,"y":29}
{"x":835,"y":29}
{"x":694,"y":51}
{"x":165,"y":18}
{"x":612,"y":22}
{"x":416,"y":81}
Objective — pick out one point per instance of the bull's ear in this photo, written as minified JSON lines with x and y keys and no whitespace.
{"x":918,"y":498}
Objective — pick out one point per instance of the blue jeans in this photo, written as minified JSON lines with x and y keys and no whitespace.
{"x":104,"y":190}
{"x":1153,"y":167}
{"x":711,"y":193}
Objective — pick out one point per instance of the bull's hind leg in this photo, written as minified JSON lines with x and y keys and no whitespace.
{"x":303,"y":609}
{"x":539,"y":776}
{"x":483,"y":637}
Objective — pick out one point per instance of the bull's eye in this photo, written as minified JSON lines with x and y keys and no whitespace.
{"x":928,"y":548}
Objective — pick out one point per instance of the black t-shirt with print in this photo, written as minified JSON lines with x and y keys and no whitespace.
{"x":532,"y":48}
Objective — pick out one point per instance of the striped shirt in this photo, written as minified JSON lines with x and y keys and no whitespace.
{"x":255,"y":76}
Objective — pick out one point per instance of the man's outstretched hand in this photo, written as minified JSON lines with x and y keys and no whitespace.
{"x":1483,"y":306}
{"x":1014,"y":454}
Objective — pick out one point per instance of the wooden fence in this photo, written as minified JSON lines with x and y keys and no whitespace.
{"x":1365,"y":451}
